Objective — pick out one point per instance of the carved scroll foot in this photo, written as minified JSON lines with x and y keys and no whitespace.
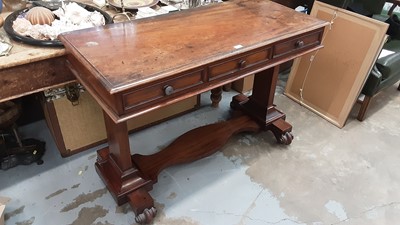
{"x":282,"y":131}
{"x":285,"y":138}
{"x":147,"y":216}
{"x":142,"y":205}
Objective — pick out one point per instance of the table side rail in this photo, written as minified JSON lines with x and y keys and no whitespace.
{"x":136,"y":101}
{"x":218,"y":73}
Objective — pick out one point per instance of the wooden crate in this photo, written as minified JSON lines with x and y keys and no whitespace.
{"x":76,"y":128}
{"x":243,"y":85}
{"x":246,"y":84}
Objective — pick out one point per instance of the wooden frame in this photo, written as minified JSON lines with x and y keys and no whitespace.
{"x":330,"y":83}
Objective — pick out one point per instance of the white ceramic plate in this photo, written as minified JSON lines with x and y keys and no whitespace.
{"x":133,"y":4}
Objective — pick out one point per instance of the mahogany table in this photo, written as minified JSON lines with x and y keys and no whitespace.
{"x":134,"y":67}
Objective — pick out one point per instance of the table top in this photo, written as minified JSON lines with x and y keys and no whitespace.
{"x":129,"y":54}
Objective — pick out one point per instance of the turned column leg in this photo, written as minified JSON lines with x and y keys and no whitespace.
{"x":260,"y":105}
{"x":216,"y":96}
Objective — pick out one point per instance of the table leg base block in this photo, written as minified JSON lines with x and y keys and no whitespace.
{"x":238,"y":101}
{"x":120,"y":183}
{"x":273,"y":119}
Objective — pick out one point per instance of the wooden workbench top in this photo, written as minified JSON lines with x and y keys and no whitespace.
{"x":30,"y":69}
{"x":23,"y":53}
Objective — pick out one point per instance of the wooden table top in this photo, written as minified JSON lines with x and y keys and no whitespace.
{"x":128,"y":54}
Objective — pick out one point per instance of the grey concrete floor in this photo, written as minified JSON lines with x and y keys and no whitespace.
{"x":326,"y":176}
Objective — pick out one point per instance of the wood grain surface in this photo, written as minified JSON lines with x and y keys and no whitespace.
{"x":129,"y":54}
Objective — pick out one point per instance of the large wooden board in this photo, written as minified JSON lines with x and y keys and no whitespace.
{"x":330,"y":83}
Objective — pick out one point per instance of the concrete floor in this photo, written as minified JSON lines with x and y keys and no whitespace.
{"x":326,"y":176}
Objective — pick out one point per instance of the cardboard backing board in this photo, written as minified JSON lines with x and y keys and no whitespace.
{"x":76,"y":128}
{"x":329,"y":80}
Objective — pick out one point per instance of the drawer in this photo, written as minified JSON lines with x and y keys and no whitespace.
{"x":233,"y":65}
{"x":297,"y":44}
{"x":157,"y":92}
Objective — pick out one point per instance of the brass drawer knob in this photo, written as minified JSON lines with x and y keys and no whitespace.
{"x":242,"y":64}
{"x":168,"y":90}
{"x":299,"y":44}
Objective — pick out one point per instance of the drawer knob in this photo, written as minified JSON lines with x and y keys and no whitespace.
{"x":168,"y":90}
{"x":242,"y":64}
{"x":299,"y":44}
